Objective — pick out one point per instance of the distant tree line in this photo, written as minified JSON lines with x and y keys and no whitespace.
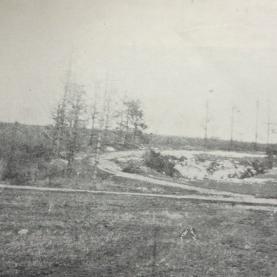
{"x":178,"y":142}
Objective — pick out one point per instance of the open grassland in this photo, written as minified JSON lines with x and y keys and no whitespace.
{"x":86,"y":235}
{"x":267,"y":187}
{"x":262,"y":185}
{"x":108,"y":182}
{"x":264,"y":190}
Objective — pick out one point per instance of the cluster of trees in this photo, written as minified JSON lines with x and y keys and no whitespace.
{"x":105,"y":121}
{"x":69,"y":122}
{"x":130,"y":122}
{"x":79,"y":123}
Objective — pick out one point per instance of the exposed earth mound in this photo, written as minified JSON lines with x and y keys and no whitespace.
{"x":198,"y":165}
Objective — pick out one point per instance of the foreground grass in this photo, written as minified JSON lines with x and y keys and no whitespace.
{"x":86,"y":235}
{"x":264,"y":190}
{"x":109,"y":182}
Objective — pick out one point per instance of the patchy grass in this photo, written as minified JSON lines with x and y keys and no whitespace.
{"x":103,"y":181}
{"x":87,"y":235}
{"x":84,"y":180}
{"x":108,"y":182}
{"x":266,"y":189}
{"x":263,"y":185}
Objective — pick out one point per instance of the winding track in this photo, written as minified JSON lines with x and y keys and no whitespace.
{"x":257,"y":202}
{"x":205,"y":195}
{"x":107,"y":165}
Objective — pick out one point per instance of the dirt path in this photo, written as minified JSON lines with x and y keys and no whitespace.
{"x":256,"y":204}
{"x":106,"y":164}
{"x":205,"y":195}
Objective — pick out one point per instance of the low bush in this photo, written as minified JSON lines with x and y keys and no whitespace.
{"x":133,"y":167}
{"x":260,"y":166}
{"x":156,"y":161}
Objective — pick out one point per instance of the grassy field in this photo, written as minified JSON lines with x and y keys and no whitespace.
{"x":109,"y":182}
{"x":266,"y":189}
{"x":262,"y":185}
{"x":86,"y":235}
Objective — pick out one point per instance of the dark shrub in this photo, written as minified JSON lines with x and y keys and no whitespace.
{"x":212,"y":167}
{"x":132,"y":167}
{"x":260,"y":166}
{"x":156,"y":161}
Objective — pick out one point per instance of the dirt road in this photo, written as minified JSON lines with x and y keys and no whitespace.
{"x":107,"y":165}
{"x":204,"y":195}
{"x":257,"y":203}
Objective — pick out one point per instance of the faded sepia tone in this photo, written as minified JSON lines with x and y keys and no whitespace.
{"x":138,"y":138}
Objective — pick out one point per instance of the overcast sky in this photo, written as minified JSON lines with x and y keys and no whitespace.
{"x":172,"y":54}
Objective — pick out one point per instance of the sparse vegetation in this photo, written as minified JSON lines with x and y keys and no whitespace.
{"x":155,"y":153}
{"x":86,"y":235}
{"x":205,"y":166}
{"x":26,"y":157}
{"x":115,"y":235}
{"x":160,"y":163}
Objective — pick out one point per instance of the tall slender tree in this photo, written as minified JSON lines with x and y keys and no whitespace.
{"x":60,"y":125}
{"x":76,"y":123}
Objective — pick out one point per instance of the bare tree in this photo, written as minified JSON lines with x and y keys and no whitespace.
{"x":12,"y":151}
{"x":94,"y":114}
{"x":101,"y":123}
{"x":122,"y":120}
{"x":93,"y":117}
{"x":60,"y":125}
{"x":106,"y":113}
{"x":120,"y":126}
{"x":76,"y":123}
{"x":105,"y":118}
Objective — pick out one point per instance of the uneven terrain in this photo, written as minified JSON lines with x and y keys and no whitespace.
{"x":58,"y":234}
{"x":131,"y":225}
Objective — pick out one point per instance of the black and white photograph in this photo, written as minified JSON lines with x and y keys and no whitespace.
{"x":138,"y":138}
